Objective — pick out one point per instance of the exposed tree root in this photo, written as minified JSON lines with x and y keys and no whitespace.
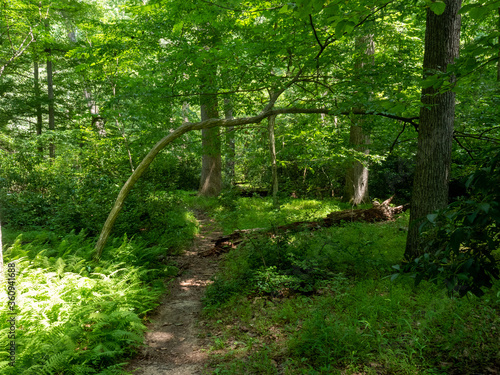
{"x":378,"y":212}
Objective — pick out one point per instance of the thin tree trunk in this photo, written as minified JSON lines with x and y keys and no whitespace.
{"x":272,"y":148}
{"x":50,"y":89}
{"x":38,"y":105}
{"x":230,"y":143}
{"x":122,"y":131}
{"x":435,"y":131}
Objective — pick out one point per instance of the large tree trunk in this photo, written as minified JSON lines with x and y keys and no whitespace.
{"x":272,"y":149}
{"x":211,"y":168}
{"x":356,"y":181}
{"x":356,"y":185}
{"x":50,"y":89}
{"x":435,"y":130}
{"x":38,"y":105}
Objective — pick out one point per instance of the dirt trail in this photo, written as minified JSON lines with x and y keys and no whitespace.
{"x":172,"y":345}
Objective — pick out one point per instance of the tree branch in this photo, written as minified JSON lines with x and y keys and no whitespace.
{"x":332,"y":38}
{"x":394,"y":143}
{"x":314,"y":31}
{"x":207,"y":124}
{"x":466,"y":149}
{"x":20,"y":51}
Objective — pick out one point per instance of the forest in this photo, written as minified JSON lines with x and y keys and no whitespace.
{"x":249,"y":187}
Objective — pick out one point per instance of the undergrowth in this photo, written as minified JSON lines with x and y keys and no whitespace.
{"x":323,"y":303}
{"x":75,"y":315}
{"x":233,"y":212}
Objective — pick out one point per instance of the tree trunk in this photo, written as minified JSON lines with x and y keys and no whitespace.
{"x":435,"y":130}
{"x":230,"y":143}
{"x":356,"y":181}
{"x":356,"y":185}
{"x":38,"y":104}
{"x":272,"y":148}
{"x":50,"y":89}
{"x":211,"y":169}
{"x":498,"y":63}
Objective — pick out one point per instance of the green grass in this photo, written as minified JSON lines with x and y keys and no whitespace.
{"x":323,"y":303}
{"x":238,"y":213}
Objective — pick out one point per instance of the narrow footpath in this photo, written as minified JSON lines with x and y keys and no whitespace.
{"x":172,"y":343}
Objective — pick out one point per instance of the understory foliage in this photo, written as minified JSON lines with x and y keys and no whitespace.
{"x":78,"y":316}
{"x":64,"y":195}
{"x":462,"y":241}
{"x":323,"y":302}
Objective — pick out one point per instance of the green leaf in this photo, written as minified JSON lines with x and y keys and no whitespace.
{"x":284,"y":9}
{"x":178,"y":27}
{"x":432,"y":217}
{"x":349,"y":27}
{"x":339,"y":28}
{"x":438,"y":7}
{"x":484,"y":206}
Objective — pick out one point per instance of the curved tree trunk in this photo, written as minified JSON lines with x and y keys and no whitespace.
{"x":435,"y":130}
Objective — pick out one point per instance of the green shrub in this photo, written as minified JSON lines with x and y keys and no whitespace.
{"x":461,"y":242}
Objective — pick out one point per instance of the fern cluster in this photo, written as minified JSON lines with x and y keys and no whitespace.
{"x":75,"y":316}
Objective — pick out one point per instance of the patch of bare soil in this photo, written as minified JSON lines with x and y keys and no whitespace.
{"x":172,"y":346}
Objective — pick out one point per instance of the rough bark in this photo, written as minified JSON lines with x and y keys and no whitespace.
{"x":356,"y":186}
{"x":498,"y":63}
{"x":211,"y":168}
{"x":435,"y":131}
{"x":50,"y":90}
{"x":272,"y":149}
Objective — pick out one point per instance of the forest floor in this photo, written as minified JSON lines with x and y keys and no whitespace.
{"x":173,"y":344}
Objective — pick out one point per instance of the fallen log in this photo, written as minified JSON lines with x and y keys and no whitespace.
{"x":378,"y":212}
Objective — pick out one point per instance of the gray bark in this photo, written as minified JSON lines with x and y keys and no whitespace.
{"x":272,"y":148}
{"x":498,"y":63}
{"x":211,"y":168}
{"x":435,"y":130}
{"x":230,"y":143}
{"x":356,"y":186}
{"x":38,"y":104}
{"x":50,"y":89}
